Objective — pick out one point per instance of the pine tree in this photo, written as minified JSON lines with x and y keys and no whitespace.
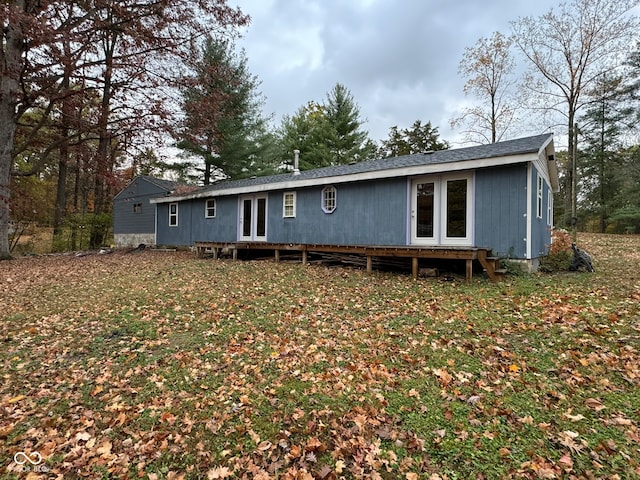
{"x":223,"y":120}
{"x":600,"y":163}
{"x":326,"y":134}
{"x":347,"y":142}
{"x":418,"y":139}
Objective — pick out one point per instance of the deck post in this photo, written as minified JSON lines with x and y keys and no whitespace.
{"x":215,"y":253}
{"x":369,"y":263}
{"x":235,"y":254}
{"x":469,"y":269}
{"x":277,"y":255}
{"x":304,"y":257}
{"x":414,"y":268}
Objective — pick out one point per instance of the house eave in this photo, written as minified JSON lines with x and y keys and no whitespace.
{"x":291,"y":184}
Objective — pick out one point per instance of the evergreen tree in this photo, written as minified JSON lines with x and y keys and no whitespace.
{"x":600,"y":163}
{"x":418,"y":139}
{"x":347,"y":141}
{"x":306,"y":131}
{"x":223,"y":121}
{"x":326,"y":134}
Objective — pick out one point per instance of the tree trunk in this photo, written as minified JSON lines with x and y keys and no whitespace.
{"x":11,"y":64}
{"x":570,"y":201}
{"x":63,"y":162}
{"x":98,"y":234}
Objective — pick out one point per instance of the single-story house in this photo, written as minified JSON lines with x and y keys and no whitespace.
{"x":134,"y":218}
{"x":498,"y":197}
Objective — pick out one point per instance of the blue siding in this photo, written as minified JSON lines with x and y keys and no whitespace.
{"x":194,"y":227}
{"x":221,"y":228}
{"x":501,"y":209}
{"x":124,"y":218}
{"x":372,"y":213}
{"x":540,"y":233}
{"x":175,"y":235}
{"x":367,"y":213}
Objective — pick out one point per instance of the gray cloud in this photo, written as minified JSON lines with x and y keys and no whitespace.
{"x":398,"y":59}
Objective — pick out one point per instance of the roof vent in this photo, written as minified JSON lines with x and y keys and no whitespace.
{"x":296,"y":159}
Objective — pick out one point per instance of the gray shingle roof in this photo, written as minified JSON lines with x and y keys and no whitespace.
{"x":501,"y":149}
{"x":167,"y":185}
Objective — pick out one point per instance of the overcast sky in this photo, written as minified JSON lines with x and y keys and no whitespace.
{"x":399,"y":58}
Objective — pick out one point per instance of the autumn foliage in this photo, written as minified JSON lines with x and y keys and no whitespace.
{"x":560,"y":252}
{"x":161,"y":365}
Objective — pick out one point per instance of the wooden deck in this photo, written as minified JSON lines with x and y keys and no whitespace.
{"x":491,"y":265}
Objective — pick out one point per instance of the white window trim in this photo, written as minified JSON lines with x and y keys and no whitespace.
{"x":550,"y":208}
{"x":206,"y":208}
{"x":440,"y":210}
{"x":539,"y":197}
{"x":284,"y":204}
{"x":253,"y":236}
{"x":173,"y":215}
{"x":323,"y":204}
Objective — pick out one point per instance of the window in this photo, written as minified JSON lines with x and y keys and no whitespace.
{"x":329,"y":199}
{"x":550,"y":208}
{"x":173,"y":214}
{"x":210,"y":208}
{"x":456,"y":205}
{"x":539,"y":204}
{"x":137,"y":208}
{"x":289,"y":204}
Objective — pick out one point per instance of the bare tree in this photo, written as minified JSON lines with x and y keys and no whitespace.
{"x":19,"y":22}
{"x":126,"y":47}
{"x":568,"y":51}
{"x":488,"y":68}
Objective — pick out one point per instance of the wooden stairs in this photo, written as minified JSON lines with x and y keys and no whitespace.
{"x":491,"y":265}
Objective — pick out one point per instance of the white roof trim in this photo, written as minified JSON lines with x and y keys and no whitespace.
{"x":292,"y":184}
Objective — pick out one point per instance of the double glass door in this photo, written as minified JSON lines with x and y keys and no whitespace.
{"x":253,"y":218}
{"x":441,"y":212}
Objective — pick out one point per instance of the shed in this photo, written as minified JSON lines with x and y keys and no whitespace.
{"x":134,"y":218}
{"x":497,"y":197}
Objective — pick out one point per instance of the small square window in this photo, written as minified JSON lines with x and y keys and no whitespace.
{"x":173,"y":214}
{"x":210,"y":208}
{"x":289,"y":204}
{"x":329,"y":199}
{"x":137,"y":208}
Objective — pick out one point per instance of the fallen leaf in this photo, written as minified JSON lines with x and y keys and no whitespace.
{"x":595,"y":404}
{"x":566,"y":462}
{"x":219,"y":472}
{"x":16,"y":399}
{"x":104,"y":448}
{"x":97,"y":390}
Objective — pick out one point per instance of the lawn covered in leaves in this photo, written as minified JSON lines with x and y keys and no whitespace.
{"x":162,"y":365}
